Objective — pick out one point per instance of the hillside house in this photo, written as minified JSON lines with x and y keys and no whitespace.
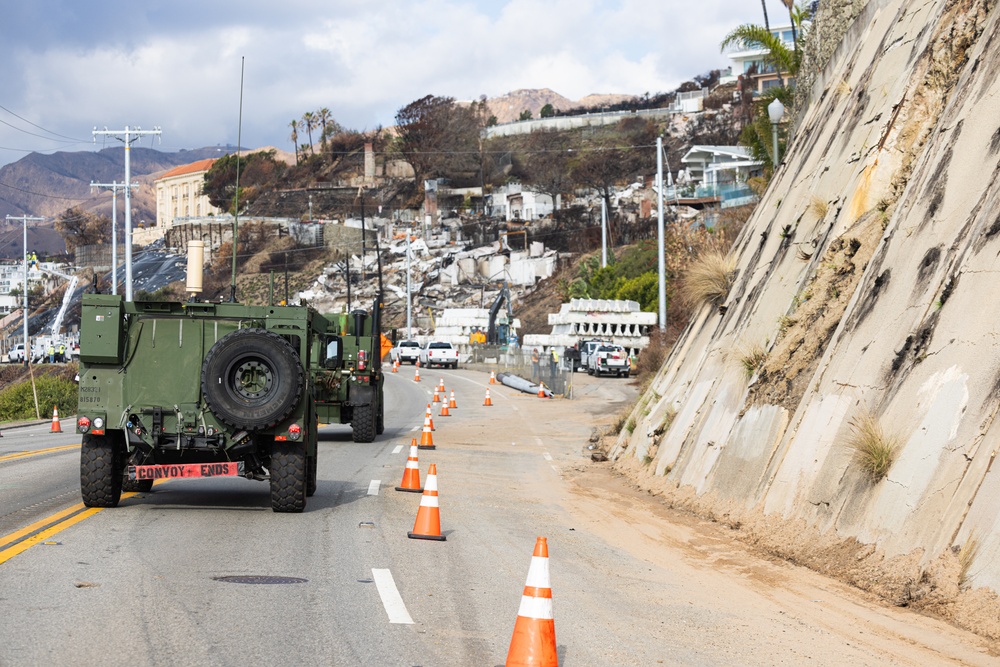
{"x":178,"y":196}
{"x":751,"y":65}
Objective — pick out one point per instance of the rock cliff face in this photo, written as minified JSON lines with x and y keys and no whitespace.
{"x":868,"y":273}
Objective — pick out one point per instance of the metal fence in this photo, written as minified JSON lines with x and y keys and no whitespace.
{"x":555,"y":375}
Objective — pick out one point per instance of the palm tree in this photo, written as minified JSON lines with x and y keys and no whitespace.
{"x":295,"y":124}
{"x":763,"y":5}
{"x":323,"y":118}
{"x":309,"y":123}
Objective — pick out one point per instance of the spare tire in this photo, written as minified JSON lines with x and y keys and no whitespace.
{"x":252,"y":379}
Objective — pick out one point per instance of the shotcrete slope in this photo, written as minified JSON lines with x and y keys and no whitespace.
{"x":868,"y":273}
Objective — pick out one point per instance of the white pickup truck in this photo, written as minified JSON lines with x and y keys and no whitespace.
{"x":405,"y":351}
{"x":610,"y":360}
{"x":438,"y":353}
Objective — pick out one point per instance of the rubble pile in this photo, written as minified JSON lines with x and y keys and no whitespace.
{"x":452,"y":282}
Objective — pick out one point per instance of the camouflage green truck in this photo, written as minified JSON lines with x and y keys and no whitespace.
{"x":192,"y":389}
{"x":348,"y":374}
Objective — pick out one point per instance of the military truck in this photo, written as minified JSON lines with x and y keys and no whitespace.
{"x":192,"y":389}
{"x":347,"y":372}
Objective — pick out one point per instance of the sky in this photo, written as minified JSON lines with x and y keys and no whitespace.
{"x":68,"y":66}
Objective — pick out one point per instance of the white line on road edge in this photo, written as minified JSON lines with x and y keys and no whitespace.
{"x":416,"y":428}
{"x":373,"y":487}
{"x":547,"y":456}
{"x":398,"y":449}
{"x":391,"y":599}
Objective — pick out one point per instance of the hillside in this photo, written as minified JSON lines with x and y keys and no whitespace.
{"x":857,"y":321}
{"x":508,"y":107}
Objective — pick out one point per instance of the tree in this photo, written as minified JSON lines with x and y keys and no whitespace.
{"x":295,"y":125}
{"x":547,"y":111}
{"x":779,"y":56}
{"x":763,"y":5}
{"x":525,"y":115}
{"x":546,"y":164}
{"x":257,"y":171}
{"x":309,"y":123}
{"x":79,"y":228}
{"x":440,"y":138}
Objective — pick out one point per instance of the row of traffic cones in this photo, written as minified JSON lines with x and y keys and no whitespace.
{"x":533,"y":642}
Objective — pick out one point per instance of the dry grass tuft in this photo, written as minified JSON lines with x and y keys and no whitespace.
{"x":966,"y":556}
{"x":874,"y":449}
{"x":709,"y":278}
{"x":843,"y":88}
{"x":819,"y":207}
{"x":752,"y":358}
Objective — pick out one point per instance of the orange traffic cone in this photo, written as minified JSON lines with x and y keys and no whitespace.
{"x":56,"y":428}
{"x":441,"y":385}
{"x":493,"y":377}
{"x":444,"y":410}
{"x":395,"y":366}
{"x":541,"y":390}
{"x":430,"y":417}
{"x":416,"y":374}
{"x":437,"y":397}
{"x":426,"y":439}
{"x":452,"y":404}
{"x":534,"y":640}
{"x":488,"y":401}
{"x":428,"y":523}
{"x":411,"y":473}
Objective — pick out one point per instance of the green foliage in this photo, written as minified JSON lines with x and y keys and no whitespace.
{"x":525,"y":115}
{"x":547,"y":111}
{"x":632,"y":277}
{"x":17,"y":401}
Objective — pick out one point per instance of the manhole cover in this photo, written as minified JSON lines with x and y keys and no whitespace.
{"x":259,"y":579}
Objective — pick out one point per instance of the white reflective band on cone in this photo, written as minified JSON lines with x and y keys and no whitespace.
{"x":428,"y":501}
{"x":538,"y":573}
{"x":540,"y":608}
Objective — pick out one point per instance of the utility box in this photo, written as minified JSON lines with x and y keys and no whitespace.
{"x":102,"y":340}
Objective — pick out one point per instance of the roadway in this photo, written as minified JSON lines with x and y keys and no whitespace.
{"x":144,"y":583}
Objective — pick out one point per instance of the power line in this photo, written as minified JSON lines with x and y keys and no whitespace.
{"x":63,"y":136}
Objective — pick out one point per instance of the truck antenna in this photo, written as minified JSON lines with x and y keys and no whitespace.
{"x":236,"y":206}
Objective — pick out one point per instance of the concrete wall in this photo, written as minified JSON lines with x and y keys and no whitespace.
{"x":867,"y":273}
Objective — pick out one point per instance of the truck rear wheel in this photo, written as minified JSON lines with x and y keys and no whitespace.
{"x":252,"y":379}
{"x":136,"y":486}
{"x":363,"y":424}
{"x":101,"y":467}
{"x":289,"y":474}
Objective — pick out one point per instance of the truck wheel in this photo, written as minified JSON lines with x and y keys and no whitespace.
{"x":311,"y":462}
{"x":288,"y":476}
{"x":100,"y":471}
{"x":363,"y":424}
{"x":252,"y":379}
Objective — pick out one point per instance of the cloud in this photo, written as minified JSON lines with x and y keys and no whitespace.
{"x":178,"y":65}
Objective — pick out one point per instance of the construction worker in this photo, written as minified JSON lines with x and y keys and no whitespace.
{"x":51,"y":351}
{"x":535,"y":371}
{"x":61,"y":352}
{"x":553,"y":362}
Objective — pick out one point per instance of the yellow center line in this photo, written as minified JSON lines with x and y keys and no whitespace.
{"x":21,"y":455}
{"x":24,"y":545}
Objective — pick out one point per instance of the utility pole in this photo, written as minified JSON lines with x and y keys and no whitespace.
{"x":24,"y":315}
{"x":113,"y":186}
{"x":129,"y":135}
{"x":409,"y":297}
{"x":604,"y":233}
{"x":660,"y":259}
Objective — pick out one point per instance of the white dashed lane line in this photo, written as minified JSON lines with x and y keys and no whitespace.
{"x":391,"y":599}
{"x":374,"y":486}
{"x":397,"y":449}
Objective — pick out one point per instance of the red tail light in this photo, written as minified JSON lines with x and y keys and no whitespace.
{"x":83,"y":424}
{"x":294,"y":431}
{"x":361,"y":360}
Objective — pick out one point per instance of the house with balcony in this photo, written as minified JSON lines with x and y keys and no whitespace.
{"x":714,"y":176}
{"x":751,"y":65}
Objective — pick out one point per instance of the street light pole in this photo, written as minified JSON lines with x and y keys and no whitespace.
{"x":775,"y":110}
{"x":660,"y":258}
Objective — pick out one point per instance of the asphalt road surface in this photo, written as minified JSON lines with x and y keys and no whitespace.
{"x":159,"y":580}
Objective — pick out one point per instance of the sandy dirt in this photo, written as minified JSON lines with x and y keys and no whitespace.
{"x":736,"y":570}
